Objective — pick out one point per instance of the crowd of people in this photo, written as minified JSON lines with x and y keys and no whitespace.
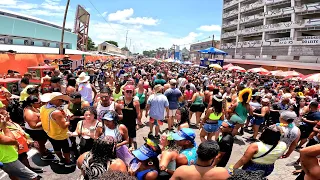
{"x":91,"y":116}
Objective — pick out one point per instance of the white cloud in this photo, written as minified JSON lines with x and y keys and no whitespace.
{"x":120,"y":15}
{"x":53,"y":5}
{"x":209,"y":28}
{"x":142,"y":39}
{"x":104,"y":14}
{"x":125,"y":17}
{"x":15,"y":4}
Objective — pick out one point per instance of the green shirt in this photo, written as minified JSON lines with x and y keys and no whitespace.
{"x":8,"y":153}
{"x":160,"y":81}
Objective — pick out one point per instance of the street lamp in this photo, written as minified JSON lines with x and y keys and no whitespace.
{"x":63,"y":26}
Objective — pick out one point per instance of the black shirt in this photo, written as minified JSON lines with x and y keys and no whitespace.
{"x":225,"y":143}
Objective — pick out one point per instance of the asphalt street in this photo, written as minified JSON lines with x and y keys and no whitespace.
{"x":53,"y":171}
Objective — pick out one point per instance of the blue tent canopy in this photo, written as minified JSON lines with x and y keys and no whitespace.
{"x":213,"y":50}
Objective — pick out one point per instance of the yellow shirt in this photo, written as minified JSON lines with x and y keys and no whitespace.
{"x":50,"y":126}
{"x":23,"y":94}
{"x":8,"y":153}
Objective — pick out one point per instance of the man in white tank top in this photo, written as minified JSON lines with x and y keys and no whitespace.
{"x":106,"y":104}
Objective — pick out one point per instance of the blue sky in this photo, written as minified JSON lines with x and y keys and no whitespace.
{"x":150,"y":23}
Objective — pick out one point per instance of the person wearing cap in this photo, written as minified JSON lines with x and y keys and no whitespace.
{"x":202,"y":169}
{"x":157,"y":104}
{"x":111,"y":127}
{"x":145,"y":166}
{"x":185,"y":138}
{"x":308,"y":122}
{"x":87,"y":90}
{"x":290,"y":133}
{"x":173,"y":94}
{"x":55,"y":124}
{"x":131,"y":112}
{"x":225,"y":142}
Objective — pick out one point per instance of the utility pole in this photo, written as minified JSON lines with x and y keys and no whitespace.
{"x":212,"y":45}
{"x":63,"y":26}
{"x":126,"y":38}
{"x":130,"y":45}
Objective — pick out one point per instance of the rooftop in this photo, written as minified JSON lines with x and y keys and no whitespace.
{"x":29,"y":18}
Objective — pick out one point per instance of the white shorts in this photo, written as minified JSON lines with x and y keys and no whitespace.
{"x":172,"y":112}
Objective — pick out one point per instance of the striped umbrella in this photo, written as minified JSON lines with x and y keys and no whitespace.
{"x":236,"y":68}
{"x":259,"y":70}
{"x":313,"y":78}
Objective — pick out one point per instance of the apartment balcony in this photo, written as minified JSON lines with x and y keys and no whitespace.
{"x":229,"y":34}
{"x":255,"y":43}
{"x":231,"y":13}
{"x":279,"y":12}
{"x":246,"y":19}
{"x":276,"y":2}
{"x":307,"y":8}
{"x":249,"y":7}
{"x":288,"y":41}
{"x":230,"y":24}
{"x":230,"y":4}
{"x":228,"y":45}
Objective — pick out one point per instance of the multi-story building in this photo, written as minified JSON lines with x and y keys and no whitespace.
{"x":194,"y":48}
{"x":23,"y":30}
{"x":271,"y":29}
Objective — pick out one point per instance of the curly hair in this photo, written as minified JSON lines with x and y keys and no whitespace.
{"x":91,"y":110}
{"x":103,"y":149}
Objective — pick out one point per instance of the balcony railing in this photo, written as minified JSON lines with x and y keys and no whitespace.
{"x":230,"y":3}
{"x":307,"y":7}
{"x":230,"y":13}
{"x":229,"y":34}
{"x":255,"y":43}
{"x":228,"y":45}
{"x":252,"y":18}
{"x":273,"y":1}
{"x":281,"y":26}
{"x":231,"y":23}
{"x":252,"y":6}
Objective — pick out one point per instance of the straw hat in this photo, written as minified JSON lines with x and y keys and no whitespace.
{"x":53,"y":96}
{"x":83,"y":78}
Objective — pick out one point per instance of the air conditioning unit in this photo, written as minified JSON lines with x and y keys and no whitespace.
{"x":28,"y":42}
{"x":6,"y":40}
{"x":45,"y":44}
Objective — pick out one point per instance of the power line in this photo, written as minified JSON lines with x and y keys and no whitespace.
{"x":103,"y":17}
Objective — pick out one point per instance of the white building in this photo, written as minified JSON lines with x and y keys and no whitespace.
{"x":272,"y":29}
{"x":106,"y":47}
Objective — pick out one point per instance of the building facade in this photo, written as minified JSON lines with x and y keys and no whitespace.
{"x":106,"y":47}
{"x":286,"y":30}
{"x":194,"y":48}
{"x":18,"y":29}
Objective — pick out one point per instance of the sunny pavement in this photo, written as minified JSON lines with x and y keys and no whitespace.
{"x":55,"y":172}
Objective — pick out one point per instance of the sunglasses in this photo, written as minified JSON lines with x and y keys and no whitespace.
{"x":129,"y":92}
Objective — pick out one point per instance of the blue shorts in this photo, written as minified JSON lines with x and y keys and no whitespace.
{"x":257,"y":121}
{"x":211,"y":128}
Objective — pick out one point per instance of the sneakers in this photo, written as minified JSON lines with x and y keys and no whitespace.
{"x":49,"y":157}
{"x":150,"y":135}
{"x":70,"y":164}
{"x":62,"y":162}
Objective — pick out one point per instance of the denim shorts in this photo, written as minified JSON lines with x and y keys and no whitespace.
{"x":211,"y":128}
{"x":257,"y":121}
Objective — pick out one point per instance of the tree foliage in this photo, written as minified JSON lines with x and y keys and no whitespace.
{"x":113,"y":42}
{"x":91,"y":46}
{"x":125,"y":48}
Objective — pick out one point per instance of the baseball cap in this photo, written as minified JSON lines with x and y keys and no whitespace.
{"x":129,"y":87}
{"x":108,"y":116}
{"x":185,"y":134}
{"x":288,"y":115}
{"x":144,"y":153}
